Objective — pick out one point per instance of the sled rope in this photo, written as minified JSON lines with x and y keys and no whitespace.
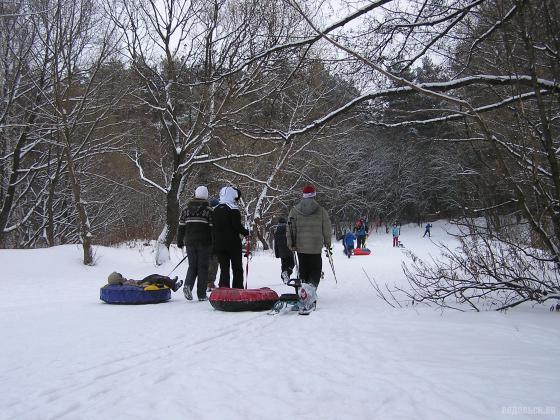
{"x":247,"y":254}
{"x":180,"y":262}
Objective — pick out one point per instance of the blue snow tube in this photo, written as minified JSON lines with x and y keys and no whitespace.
{"x":134,"y":295}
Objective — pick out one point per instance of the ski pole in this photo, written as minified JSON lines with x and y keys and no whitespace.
{"x":180,"y":262}
{"x":328,"y":251}
{"x":247,"y":254}
{"x":296,"y":263}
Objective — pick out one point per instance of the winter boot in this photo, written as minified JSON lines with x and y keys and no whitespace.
{"x":187,"y":291}
{"x":178,"y":284}
{"x":307,"y":299}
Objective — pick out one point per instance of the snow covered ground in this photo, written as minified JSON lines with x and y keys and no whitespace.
{"x":65,"y":354}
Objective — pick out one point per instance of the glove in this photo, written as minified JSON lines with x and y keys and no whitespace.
{"x":328,"y":250}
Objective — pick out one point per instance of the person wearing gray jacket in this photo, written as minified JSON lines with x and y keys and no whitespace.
{"x":309,"y":229}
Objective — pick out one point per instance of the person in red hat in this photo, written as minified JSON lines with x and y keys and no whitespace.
{"x":309,"y":230}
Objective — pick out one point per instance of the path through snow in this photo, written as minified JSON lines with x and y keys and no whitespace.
{"x":66,"y":355}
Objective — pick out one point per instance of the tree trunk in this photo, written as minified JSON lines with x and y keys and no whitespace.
{"x":11,"y":189}
{"x":83,"y":221}
{"x":49,"y":226}
{"x":171,"y":220}
{"x":261,"y":238}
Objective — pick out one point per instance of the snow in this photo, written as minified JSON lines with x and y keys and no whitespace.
{"x":65,"y":354}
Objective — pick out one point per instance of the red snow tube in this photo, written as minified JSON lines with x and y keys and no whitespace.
{"x":362,"y":251}
{"x":237,"y":300}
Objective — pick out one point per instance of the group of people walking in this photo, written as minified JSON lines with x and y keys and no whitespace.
{"x":206,"y":230}
{"x":360,"y":233}
{"x":212,"y":234}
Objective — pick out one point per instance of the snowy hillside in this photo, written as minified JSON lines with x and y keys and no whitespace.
{"x":65,"y":354}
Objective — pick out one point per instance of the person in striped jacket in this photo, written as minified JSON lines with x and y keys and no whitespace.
{"x":195,"y":234}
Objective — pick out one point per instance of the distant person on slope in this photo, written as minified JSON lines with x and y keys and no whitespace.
{"x":309,"y":229}
{"x":361,"y":232}
{"x":427,"y":231}
{"x":227,"y":237}
{"x":282,"y":251}
{"x":195,"y":234}
{"x":348,"y":242}
{"x":396,"y":233}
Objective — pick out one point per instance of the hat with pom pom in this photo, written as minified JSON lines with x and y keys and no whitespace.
{"x":309,"y":191}
{"x":201,"y":193}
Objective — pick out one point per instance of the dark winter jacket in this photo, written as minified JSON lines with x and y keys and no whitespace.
{"x":281,"y":249}
{"x":361,"y":231}
{"x":195,"y":224}
{"x":361,"y":224}
{"x":227,"y":228}
{"x":310,"y":226}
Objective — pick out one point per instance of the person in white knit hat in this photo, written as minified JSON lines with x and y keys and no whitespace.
{"x":195,"y":234}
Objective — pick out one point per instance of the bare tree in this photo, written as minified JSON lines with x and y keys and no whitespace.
{"x":81,"y":110}
{"x":270,"y":183}
{"x":183,"y":54}
{"x":23,"y":82}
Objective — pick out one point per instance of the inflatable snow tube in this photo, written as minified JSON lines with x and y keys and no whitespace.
{"x":134,"y":295}
{"x":362,"y":251}
{"x":237,"y":300}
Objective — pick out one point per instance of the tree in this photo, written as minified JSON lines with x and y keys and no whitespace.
{"x":80,"y":111}
{"x":24,"y":83}
{"x":198,"y":82}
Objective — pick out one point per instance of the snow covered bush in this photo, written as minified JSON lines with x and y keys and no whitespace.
{"x":488,"y":270}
